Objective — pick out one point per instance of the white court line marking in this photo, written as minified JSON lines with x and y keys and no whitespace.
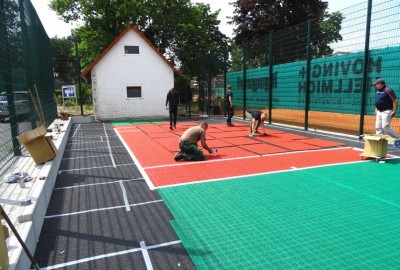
{"x":256,"y":156}
{"x":85,"y":157}
{"x":109,"y":146}
{"x":137,"y":163}
{"x":86,"y":142}
{"x":100,"y":167}
{"x":294,"y":168}
{"x":73,"y":135}
{"x":103,"y":183}
{"x":146,"y":256}
{"x":125,"y":196}
{"x":256,"y":174}
{"x":113,"y":254}
{"x":91,"y":148}
{"x":199,"y":162}
{"x":101,"y":209}
{"x":77,"y":138}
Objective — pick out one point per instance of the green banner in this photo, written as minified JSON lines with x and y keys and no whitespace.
{"x":336,"y":82}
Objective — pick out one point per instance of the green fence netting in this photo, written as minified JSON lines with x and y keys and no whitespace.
{"x":310,"y":77}
{"x":26,"y":76}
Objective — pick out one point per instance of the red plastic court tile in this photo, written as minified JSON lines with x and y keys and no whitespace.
{"x":181,"y":125}
{"x":231,"y":134}
{"x":150,"y":128}
{"x":214,"y":143}
{"x":240,"y":140}
{"x":213,"y":129}
{"x":146,"y":150}
{"x":155,"y":145}
{"x":188,"y":172}
{"x":271,"y":131}
{"x":180,"y":128}
{"x":170,"y":143}
{"x":225,"y":128}
{"x":263,"y":149}
{"x":294,"y":136}
{"x":164,"y":134}
{"x":322,"y":143}
{"x":127,"y":128}
{"x":296,"y":145}
{"x":228,"y":152}
{"x":280,"y":137}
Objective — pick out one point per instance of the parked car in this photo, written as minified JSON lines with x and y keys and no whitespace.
{"x":3,"y":105}
{"x":21,"y":101}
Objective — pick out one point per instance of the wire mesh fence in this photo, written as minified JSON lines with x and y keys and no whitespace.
{"x":318,"y":77}
{"x":26,"y":78}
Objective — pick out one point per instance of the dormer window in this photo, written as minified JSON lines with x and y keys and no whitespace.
{"x":131,"y":49}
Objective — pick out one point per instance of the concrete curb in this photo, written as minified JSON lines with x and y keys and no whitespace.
{"x":31,"y":217}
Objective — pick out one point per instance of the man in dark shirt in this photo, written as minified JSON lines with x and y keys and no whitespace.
{"x":229,"y":105}
{"x":173,"y":100}
{"x":253,"y":115}
{"x":385,"y":108}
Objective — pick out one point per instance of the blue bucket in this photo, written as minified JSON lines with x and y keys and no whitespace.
{"x":397,"y":143}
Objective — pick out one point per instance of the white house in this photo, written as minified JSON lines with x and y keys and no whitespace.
{"x":130,"y":79}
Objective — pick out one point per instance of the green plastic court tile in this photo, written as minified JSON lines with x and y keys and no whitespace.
{"x":335,"y":217}
{"x":120,"y":123}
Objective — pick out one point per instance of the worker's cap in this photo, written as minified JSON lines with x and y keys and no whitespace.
{"x":381,"y":81}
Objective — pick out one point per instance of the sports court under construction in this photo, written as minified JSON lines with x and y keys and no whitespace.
{"x":298,"y":198}
{"x":294,"y":199}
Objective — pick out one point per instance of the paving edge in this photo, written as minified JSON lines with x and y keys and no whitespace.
{"x":31,"y":218}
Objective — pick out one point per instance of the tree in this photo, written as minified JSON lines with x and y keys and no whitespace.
{"x":63,"y":60}
{"x":256,"y":18}
{"x":184,"y":33}
{"x":12,"y":36}
{"x":329,"y":26}
{"x":201,"y":48}
{"x":287,"y":20}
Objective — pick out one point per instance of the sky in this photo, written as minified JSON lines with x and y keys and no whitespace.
{"x":56,"y":27}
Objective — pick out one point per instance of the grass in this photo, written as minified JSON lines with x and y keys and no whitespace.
{"x":76,"y":110}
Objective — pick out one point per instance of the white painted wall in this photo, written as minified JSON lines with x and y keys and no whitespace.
{"x":117,"y":70}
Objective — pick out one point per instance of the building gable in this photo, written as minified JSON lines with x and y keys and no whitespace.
{"x":87,"y":71}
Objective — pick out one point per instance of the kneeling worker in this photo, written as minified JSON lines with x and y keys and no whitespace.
{"x":188,"y":143}
{"x":253,"y":115}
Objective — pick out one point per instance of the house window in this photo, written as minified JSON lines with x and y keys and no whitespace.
{"x":133,"y":91}
{"x":131,"y":49}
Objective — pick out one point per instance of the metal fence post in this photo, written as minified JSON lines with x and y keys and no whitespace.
{"x":365,"y":70}
{"x":189,"y":100}
{"x":7,"y":77}
{"x":307,"y":103}
{"x":271,"y":76}
{"x":78,"y":71}
{"x":244,"y":80}
{"x":209,"y":86}
{"x":225,"y":72}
